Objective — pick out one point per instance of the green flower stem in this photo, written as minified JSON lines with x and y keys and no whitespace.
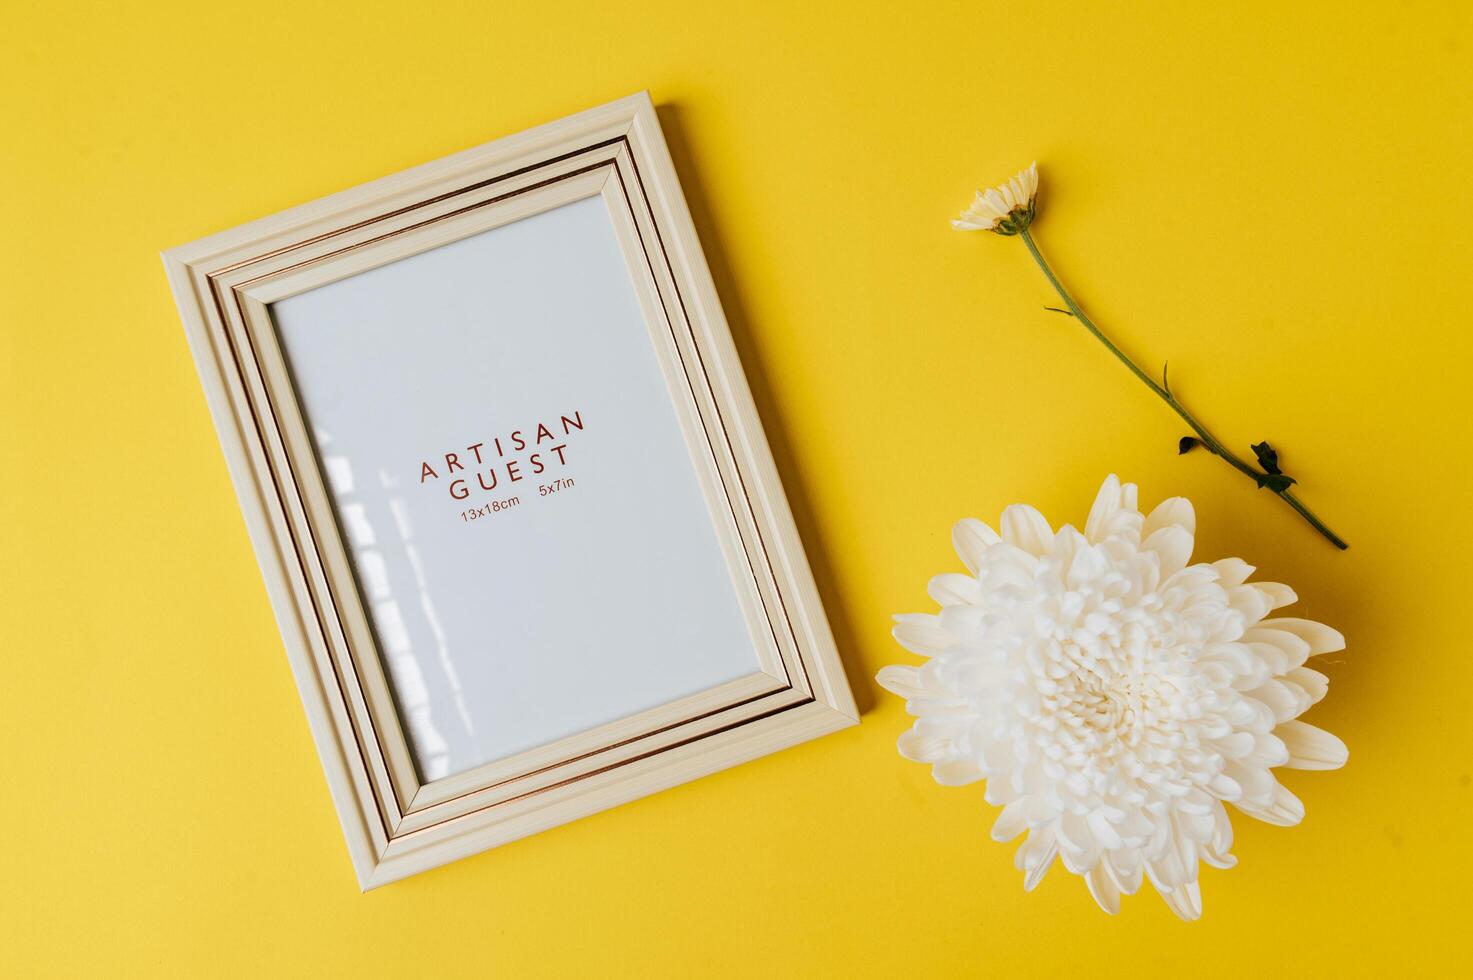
{"x":1163,"y":391}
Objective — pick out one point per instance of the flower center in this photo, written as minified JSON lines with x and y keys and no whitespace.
{"x":1117,"y":696}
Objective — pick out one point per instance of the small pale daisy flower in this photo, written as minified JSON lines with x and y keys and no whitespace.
{"x":1005,"y":210}
{"x":1008,"y":210}
{"x":1112,"y":695}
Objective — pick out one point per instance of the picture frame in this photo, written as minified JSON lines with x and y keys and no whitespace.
{"x":651,"y":621}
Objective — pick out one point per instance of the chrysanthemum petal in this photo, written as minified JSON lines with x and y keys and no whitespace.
{"x":1312,"y":682}
{"x":922,"y":634}
{"x":920,"y":746}
{"x":1278,"y":594}
{"x":1225,"y":787}
{"x":1311,"y":747}
{"x":1035,"y":857}
{"x":1257,"y":782}
{"x":972,"y":538}
{"x":1236,"y":745}
{"x":1006,"y":570}
{"x":1216,"y":859}
{"x":952,"y":589}
{"x":1321,"y":638}
{"x":902,"y":681}
{"x":1166,"y":871}
{"x":1088,"y":565}
{"x":1025,"y":528}
{"x":1283,"y":702}
{"x":1252,"y":603}
{"x":956,"y":772}
{"x":1185,"y":901}
{"x":1173,"y":545}
{"x":1171,"y":512}
{"x":1104,"y":889}
{"x":1107,"y":502}
{"x":962,"y":623}
{"x":1232,"y":571}
{"x":1011,"y":822}
{"x":1293,"y":647}
{"x":1222,"y":839}
{"x":1268,"y":751}
{"x":1285,"y":811}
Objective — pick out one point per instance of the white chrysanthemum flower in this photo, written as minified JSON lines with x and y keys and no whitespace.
{"x":1113,"y":696}
{"x":1006,"y":210}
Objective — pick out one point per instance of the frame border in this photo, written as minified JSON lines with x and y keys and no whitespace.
{"x":394,"y":825}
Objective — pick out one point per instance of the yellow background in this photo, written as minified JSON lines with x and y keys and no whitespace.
{"x":1276,"y":197}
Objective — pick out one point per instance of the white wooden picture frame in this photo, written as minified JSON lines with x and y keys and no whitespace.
{"x":649,"y":619}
